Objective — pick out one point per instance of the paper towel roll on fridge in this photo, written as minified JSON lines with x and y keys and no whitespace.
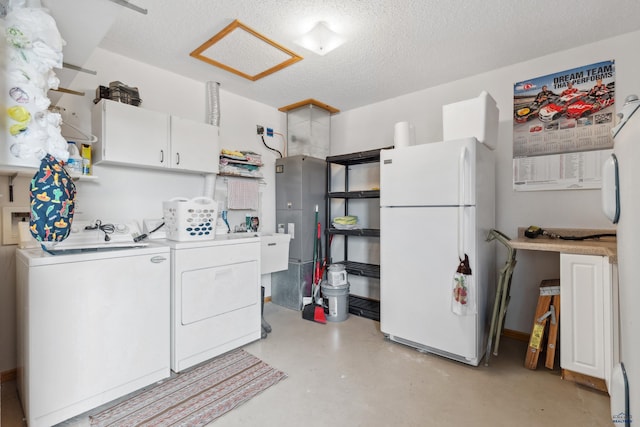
{"x":404,"y":135}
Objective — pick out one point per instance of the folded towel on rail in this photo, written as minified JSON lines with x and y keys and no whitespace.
{"x":242,"y":194}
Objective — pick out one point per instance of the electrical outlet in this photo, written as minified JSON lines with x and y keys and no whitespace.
{"x":260,"y":130}
{"x":269,"y":132}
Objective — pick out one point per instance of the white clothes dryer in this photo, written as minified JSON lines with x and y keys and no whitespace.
{"x":215,"y":297}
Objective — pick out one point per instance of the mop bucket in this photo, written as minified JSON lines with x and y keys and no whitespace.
{"x":335,"y":300}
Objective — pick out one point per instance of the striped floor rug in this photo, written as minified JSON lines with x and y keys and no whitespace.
{"x":195,"y":397}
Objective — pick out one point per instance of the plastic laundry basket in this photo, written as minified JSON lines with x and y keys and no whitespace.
{"x":190,"y":219}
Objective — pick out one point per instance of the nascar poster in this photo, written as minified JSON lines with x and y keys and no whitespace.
{"x":561,"y":128}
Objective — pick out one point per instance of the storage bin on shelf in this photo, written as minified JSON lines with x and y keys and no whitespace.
{"x":118,"y":91}
{"x":190,"y":219}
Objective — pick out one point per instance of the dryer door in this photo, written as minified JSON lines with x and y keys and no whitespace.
{"x":210,"y":292}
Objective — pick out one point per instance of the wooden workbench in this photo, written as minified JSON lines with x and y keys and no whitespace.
{"x":604,"y":246}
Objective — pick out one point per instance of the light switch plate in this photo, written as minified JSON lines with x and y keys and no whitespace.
{"x":11,"y":216}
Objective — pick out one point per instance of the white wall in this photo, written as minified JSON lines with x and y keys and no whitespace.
{"x":371,"y":127}
{"x":122,"y":193}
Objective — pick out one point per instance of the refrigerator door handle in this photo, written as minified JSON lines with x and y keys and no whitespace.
{"x":461,"y":200}
{"x":611,"y":189}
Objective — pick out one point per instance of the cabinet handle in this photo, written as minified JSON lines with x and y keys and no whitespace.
{"x":158,"y":259}
{"x":161,"y":156}
{"x":177,"y":158}
{"x":271,"y":244}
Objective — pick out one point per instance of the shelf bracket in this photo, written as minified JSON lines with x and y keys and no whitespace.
{"x":69,"y":91}
{"x":130,"y":6}
{"x":76,"y":68}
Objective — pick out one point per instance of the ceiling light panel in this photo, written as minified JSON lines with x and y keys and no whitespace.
{"x":321,"y":39}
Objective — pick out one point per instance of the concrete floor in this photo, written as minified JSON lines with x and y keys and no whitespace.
{"x":347,"y":374}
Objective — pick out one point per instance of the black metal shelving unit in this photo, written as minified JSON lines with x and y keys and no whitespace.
{"x":359,"y":306}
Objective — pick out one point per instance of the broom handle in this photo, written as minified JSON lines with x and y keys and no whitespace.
{"x":315,"y":256}
{"x":319,"y":256}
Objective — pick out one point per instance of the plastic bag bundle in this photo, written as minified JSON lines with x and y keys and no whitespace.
{"x":34,"y":48}
{"x":463,"y":292}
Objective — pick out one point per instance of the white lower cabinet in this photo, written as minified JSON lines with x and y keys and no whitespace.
{"x":129,"y":135}
{"x":588,"y":325}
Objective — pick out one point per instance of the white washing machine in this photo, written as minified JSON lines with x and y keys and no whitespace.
{"x":92,"y":323}
{"x":215,"y":297}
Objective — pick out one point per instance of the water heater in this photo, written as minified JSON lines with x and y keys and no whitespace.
{"x":300,"y":188}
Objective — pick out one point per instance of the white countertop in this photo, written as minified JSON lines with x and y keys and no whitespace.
{"x":37,"y":256}
{"x":220,"y":239}
{"x":605,"y":246}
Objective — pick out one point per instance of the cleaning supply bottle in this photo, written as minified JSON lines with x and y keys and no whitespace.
{"x":75,"y":161}
{"x":86,"y":159}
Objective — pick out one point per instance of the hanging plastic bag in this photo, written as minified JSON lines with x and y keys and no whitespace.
{"x":52,"y":197}
{"x":34,"y":48}
{"x":463,"y":293}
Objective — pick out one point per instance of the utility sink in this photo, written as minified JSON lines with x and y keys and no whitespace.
{"x":274,"y":252}
{"x":274,"y":249}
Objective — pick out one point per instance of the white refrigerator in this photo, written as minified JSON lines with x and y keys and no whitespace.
{"x":437,"y":204}
{"x":621,"y":203}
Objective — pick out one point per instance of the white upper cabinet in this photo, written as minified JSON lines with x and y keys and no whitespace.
{"x":130,"y":135}
{"x":194,"y":145}
{"x":134,"y":136}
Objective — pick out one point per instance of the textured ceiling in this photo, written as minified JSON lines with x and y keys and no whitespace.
{"x":393,"y":47}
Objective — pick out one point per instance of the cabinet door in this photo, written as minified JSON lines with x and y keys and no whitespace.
{"x":130,"y":135}
{"x":194,"y":145}
{"x":585,"y":323}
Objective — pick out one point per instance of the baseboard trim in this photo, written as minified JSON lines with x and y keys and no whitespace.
{"x":516,"y":335}
{"x":7,"y":376}
{"x":585,"y":380}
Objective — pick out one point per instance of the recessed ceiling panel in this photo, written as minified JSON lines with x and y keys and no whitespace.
{"x":245,"y":52}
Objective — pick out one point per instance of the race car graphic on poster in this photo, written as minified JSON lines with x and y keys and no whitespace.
{"x":561,"y":128}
